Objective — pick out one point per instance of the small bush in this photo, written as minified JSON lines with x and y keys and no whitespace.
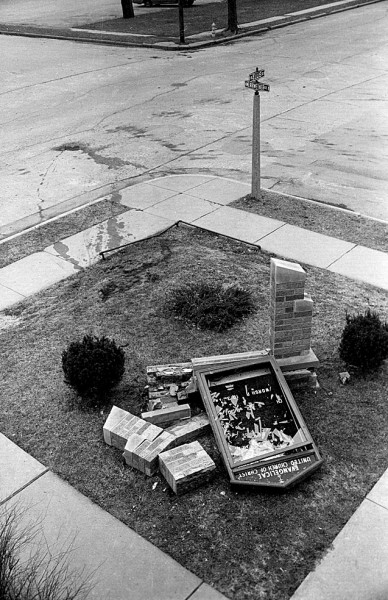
{"x":364,"y":341}
{"x":210,"y":306}
{"x":92,"y":367}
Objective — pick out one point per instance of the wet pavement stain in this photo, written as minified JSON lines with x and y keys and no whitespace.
{"x":214,"y":101}
{"x":63,"y":251}
{"x":136,"y":131}
{"x":115,"y":237}
{"x":93,"y":153}
{"x":115,"y":197}
{"x":108,"y":236}
{"x":173,"y":113}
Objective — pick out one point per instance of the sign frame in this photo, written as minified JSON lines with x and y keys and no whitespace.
{"x":256,"y":75}
{"x":295,"y":461}
{"x":257,"y":86}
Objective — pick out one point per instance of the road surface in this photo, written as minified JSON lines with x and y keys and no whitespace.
{"x":79,"y":119}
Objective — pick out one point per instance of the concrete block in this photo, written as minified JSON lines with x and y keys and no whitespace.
{"x":170,"y":373}
{"x":167,"y":415}
{"x":186,"y":467}
{"x":214,"y":360}
{"x":115,"y":416}
{"x":120,"y":425}
{"x":148,"y":455}
{"x":190,"y":429}
{"x":300,"y":379}
{"x":305,"y":305}
{"x":121,"y":432}
{"x":154,"y":404}
{"x":133,"y":442}
{"x":284,"y":271}
{"x":142,"y":454}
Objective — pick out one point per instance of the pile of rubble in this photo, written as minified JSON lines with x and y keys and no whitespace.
{"x":162,"y":437}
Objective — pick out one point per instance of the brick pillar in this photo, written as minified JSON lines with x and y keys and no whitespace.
{"x":291,"y":310}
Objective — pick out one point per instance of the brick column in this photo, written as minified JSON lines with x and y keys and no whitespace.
{"x":291,"y":310}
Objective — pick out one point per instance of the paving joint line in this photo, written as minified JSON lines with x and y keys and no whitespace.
{"x":6,"y":286}
{"x":26,"y":485}
{"x":374,"y":501}
{"x":194,"y":591}
{"x":347,"y":252}
{"x":271,"y":232}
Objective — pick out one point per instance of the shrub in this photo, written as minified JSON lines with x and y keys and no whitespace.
{"x":210,"y":306}
{"x":364,"y":341}
{"x":92,"y":367}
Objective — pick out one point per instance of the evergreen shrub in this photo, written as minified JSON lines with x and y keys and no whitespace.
{"x":92,"y":367}
{"x":210,"y":305}
{"x":364,"y":341}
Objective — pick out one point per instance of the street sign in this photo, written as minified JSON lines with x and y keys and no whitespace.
{"x":258,"y":74}
{"x":257,"y":86}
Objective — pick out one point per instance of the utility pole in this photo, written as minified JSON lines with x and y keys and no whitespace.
{"x":127,"y":6}
{"x":254,"y":84}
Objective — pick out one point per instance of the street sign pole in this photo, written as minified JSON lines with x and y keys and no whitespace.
{"x":181,"y":22}
{"x":253,"y":83}
{"x":256,"y":187}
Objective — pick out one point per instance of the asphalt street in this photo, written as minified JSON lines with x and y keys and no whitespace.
{"x":79,"y":121}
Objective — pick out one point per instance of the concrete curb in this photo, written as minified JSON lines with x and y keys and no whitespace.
{"x":105,"y":38}
{"x":56,"y":212}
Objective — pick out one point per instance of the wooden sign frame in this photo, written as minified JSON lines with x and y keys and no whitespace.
{"x":273,"y":458}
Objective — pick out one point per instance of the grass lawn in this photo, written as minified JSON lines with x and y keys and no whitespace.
{"x":199,"y":18}
{"x":249,"y":545}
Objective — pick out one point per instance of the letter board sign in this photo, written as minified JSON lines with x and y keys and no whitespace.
{"x":259,"y":429}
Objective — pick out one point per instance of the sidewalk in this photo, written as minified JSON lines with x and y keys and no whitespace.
{"x":131,"y":567}
{"x":200,"y":201}
{"x":122,"y":565}
{"x":355,"y":568}
{"x":94,"y":24}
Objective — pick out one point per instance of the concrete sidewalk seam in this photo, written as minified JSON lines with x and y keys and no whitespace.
{"x":344,"y":254}
{"x":23,"y":487}
{"x":11,"y":289}
{"x":376,"y":503}
{"x":271,"y":232}
{"x":194,"y":591}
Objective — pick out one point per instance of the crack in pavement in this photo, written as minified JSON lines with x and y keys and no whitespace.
{"x":39,"y":188}
{"x":37,"y":84}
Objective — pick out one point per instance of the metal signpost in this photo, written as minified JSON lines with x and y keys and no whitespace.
{"x":181,"y":22}
{"x":253,"y":83}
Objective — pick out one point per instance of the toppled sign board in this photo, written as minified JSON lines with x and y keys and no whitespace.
{"x":259,"y":429}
